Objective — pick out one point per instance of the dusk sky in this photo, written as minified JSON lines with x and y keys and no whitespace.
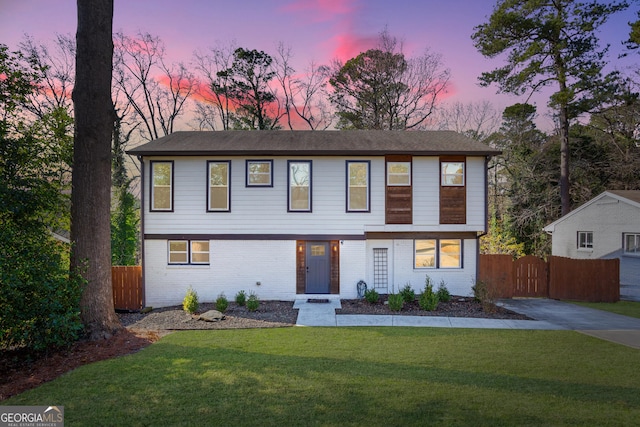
{"x":318,"y":30}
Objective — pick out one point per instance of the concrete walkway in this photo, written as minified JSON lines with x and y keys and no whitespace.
{"x":548,"y":315}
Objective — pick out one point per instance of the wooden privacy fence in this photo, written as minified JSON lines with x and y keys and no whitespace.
{"x":127,"y":287}
{"x":593,"y":280}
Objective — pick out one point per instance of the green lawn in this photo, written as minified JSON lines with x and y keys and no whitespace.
{"x":626,"y":308}
{"x":355,"y":376}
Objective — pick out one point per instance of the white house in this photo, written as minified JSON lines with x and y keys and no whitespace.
{"x":295,"y":214}
{"x":608,"y":226}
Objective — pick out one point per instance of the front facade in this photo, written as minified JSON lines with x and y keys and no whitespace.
{"x":608,"y":226}
{"x":298,"y":214}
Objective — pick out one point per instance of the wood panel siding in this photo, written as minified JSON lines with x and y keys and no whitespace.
{"x":301,"y":268}
{"x":398,"y":199}
{"x":453,"y":199}
{"x":334,"y":287}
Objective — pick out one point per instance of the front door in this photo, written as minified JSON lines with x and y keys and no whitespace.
{"x":318,"y":268}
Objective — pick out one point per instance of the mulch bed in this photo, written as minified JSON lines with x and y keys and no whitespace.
{"x":21,"y":371}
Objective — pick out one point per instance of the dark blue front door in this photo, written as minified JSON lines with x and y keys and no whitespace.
{"x":318,"y":268}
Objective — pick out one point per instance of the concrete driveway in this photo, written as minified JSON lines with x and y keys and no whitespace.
{"x":601,"y":324}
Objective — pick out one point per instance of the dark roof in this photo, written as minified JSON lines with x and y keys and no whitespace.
{"x":329,"y":143}
{"x":633,"y":195}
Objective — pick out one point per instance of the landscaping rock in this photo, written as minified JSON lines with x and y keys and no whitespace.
{"x":211,"y":316}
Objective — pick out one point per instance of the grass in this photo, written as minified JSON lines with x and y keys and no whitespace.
{"x":353,"y":377}
{"x":626,"y":308}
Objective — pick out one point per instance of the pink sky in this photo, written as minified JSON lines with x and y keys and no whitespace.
{"x":318,"y":30}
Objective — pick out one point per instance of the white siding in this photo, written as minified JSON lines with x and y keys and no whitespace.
{"x":426,"y":191}
{"x":476,"y":203}
{"x":608,"y":219}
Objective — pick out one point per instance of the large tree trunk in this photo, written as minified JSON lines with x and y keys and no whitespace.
{"x":91,"y":178}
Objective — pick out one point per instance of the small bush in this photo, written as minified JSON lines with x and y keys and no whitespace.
{"x":371,"y":295}
{"x":396,"y":301}
{"x":190,"y":302}
{"x":484,"y":293}
{"x":253,"y":302}
{"x":443,"y":292}
{"x":222,"y":303}
{"x":428,"y":300}
{"x":408,"y":294}
{"x":241,"y":298}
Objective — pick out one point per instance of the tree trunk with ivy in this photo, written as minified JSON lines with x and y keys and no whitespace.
{"x":91,"y":177}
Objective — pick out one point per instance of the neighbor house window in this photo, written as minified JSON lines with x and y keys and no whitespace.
{"x":299,"y":177}
{"x":259,"y":173}
{"x":585,"y":239}
{"x":161,"y":186}
{"x":399,"y":173}
{"x":632,"y":243}
{"x":438,"y":253}
{"x":218,"y":199}
{"x":357,"y":186}
{"x":189,"y":252}
{"x":452,"y":174}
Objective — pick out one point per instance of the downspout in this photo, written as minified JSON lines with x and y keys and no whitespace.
{"x":142,"y":240}
{"x":486,"y":213}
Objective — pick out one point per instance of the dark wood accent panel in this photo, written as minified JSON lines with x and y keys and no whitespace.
{"x":411,"y":235}
{"x":301,"y":270}
{"x":399,"y":205}
{"x":334,"y":287}
{"x":453,"y":205}
{"x":320,"y":237}
{"x":399,"y":199}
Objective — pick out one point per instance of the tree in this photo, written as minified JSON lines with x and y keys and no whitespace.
{"x":246,"y":85}
{"x":550,"y":42}
{"x":382,"y":89}
{"x":157,"y":92}
{"x":91,"y":195}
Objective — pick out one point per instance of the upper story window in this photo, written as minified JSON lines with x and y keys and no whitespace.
{"x":438,"y":253}
{"x":161,"y":186}
{"x":358,"y":186}
{"x":452,"y":174}
{"x":399,"y":173}
{"x":259,"y":173}
{"x":189,"y":252}
{"x":632,"y":243}
{"x":218,"y":186}
{"x":299,"y":178}
{"x":585,"y":239}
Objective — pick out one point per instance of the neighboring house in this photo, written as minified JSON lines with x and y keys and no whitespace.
{"x":294,"y":214}
{"x":608,"y":226}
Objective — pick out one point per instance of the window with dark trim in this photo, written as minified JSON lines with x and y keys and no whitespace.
{"x":358,"y":186}
{"x":218,"y":186}
{"x":438,"y":253}
{"x":185,"y":252}
{"x":299,"y":188}
{"x":585,"y":240}
{"x":632,"y":243}
{"x":161,"y":186}
{"x":259,"y":173}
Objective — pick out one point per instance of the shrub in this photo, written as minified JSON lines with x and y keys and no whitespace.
{"x":408,"y":294}
{"x":484,"y":293}
{"x":443,"y":292}
{"x":371,"y":295}
{"x":241,"y":298}
{"x":190,"y":302}
{"x":253,"y":302}
{"x":222,"y":303}
{"x":396,"y":301}
{"x":428,"y":300}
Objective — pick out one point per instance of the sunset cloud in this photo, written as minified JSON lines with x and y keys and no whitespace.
{"x":322,"y":10}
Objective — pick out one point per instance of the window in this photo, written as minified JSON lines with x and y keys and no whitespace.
{"x":299,"y":177}
{"x":259,"y":173}
{"x":632,"y":243}
{"x":161,"y":186}
{"x":218,"y":186}
{"x":452,"y":174}
{"x":399,"y":173}
{"x":438,"y":253}
{"x":189,"y":252}
{"x":585,"y":239}
{"x":357,"y":186}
